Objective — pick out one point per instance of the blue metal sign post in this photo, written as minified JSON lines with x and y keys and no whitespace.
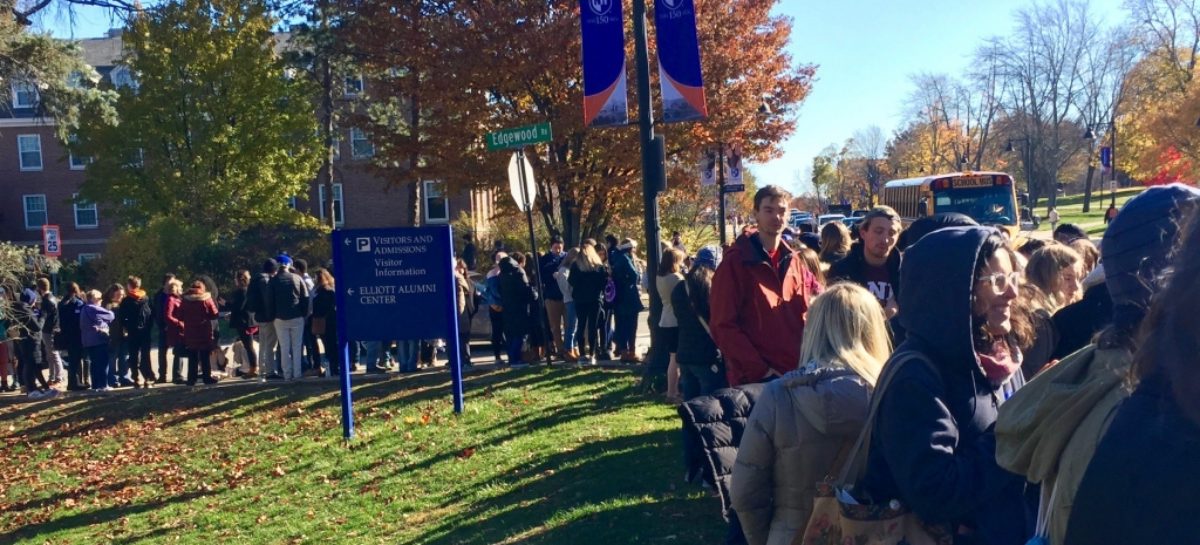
{"x":395,"y":284}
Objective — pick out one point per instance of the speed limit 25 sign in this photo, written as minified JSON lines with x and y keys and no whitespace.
{"x":51,"y":241}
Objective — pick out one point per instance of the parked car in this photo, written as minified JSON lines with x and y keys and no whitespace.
{"x":826,"y":218}
{"x":852,"y":222}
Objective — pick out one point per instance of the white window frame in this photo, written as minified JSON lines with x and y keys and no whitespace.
{"x":84,"y":258}
{"x":21,"y":152}
{"x":357,"y":134}
{"x":90,"y":207}
{"x":359,"y":89}
{"x":45,"y":211}
{"x":339,"y":201}
{"x":27,"y":87}
{"x":122,"y":76}
{"x":76,"y":162}
{"x":293,"y":202}
{"x":425,"y":186}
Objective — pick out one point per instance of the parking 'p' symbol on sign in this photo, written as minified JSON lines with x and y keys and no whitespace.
{"x":363,"y":244}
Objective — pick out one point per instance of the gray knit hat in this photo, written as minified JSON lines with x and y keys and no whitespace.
{"x":1137,"y":245}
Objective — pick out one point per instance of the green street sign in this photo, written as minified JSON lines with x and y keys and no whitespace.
{"x":518,"y":136}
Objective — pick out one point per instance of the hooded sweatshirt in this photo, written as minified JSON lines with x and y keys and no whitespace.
{"x":932,"y":446}
{"x":136,"y":314}
{"x":792,"y":440}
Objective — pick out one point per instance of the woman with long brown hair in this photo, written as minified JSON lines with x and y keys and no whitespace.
{"x":325,"y":320}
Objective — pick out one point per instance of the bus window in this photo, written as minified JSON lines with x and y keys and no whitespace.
{"x":987,"y":205}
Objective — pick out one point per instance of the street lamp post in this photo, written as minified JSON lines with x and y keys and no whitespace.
{"x":1112,"y":157}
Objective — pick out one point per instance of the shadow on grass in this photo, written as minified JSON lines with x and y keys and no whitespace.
{"x":593,"y":494}
{"x":94,"y":517}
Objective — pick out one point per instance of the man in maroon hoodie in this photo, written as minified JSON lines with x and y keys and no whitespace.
{"x":760,"y":296}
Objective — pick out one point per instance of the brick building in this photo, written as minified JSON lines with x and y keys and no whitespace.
{"x":39,"y":178}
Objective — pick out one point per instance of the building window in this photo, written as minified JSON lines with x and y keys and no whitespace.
{"x":35,"y":211}
{"x":360,"y":146}
{"x":77,"y":162}
{"x":293,"y":202}
{"x":437,"y":208}
{"x":121,"y":76}
{"x":354,"y":85}
{"x":85,"y":258}
{"x":24,"y":94}
{"x":86,"y":215}
{"x":137,"y":158}
{"x":339,"y":211}
{"x":30,"y":148}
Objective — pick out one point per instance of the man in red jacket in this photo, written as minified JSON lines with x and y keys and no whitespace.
{"x":760,"y":296}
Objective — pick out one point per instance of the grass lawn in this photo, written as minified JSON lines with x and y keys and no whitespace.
{"x":1070,"y":209}
{"x":573,"y":456}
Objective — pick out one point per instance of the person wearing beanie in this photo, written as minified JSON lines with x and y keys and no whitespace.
{"x":1152,"y":448}
{"x":1049,"y":431}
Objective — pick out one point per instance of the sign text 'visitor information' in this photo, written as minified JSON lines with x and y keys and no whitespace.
{"x":395,"y":282}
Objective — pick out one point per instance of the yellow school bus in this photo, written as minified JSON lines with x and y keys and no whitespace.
{"x":989,"y":198}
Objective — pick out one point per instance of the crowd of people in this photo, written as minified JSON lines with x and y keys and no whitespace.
{"x":283,"y":318}
{"x":997,"y":390}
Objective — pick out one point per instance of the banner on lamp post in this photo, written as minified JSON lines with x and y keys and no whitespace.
{"x":708,"y":168}
{"x":734,"y":166}
{"x":679,"y":73}
{"x":605,"y":100}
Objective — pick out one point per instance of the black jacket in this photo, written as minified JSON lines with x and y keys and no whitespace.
{"x":713,"y":425}
{"x":68,"y":325}
{"x":1078,"y":322}
{"x":516,"y":296}
{"x":1140,"y":486}
{"x":587,"y":286}
{"x":257,"y":296}
{"x":136,"y":315}
{"x":324,"y":306}
{"x":696,"y":346}
{"x":238,"y":305}
{"x":159,"y":311}
{"x":49,"y":311}
{"x":287,"y":296}
{"x":547,"y":265}
{"x":932,"y":446}
{"x":853,"y":268}
{"x":1041,"y":352}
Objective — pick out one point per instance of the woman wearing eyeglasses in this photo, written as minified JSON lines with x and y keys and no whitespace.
{"x":932,"y":448}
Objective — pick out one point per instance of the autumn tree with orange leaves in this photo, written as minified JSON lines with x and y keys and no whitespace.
{"x":452,"y":71}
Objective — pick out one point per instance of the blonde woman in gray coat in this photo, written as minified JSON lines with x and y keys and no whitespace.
{"x":806,"y":419}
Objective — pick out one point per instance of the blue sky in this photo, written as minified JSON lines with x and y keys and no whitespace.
{"x":866,"y":50}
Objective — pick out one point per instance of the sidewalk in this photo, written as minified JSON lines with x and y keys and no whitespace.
{"x":481,"y":360}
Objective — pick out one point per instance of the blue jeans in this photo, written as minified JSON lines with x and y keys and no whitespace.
{"x":374,"y":348}
{"x":118,"y":365}
{"x":572,"y":323}
{"x":626,"y":331}
{"x":99,"y":357}
{"x":514,"y":345}
{"x":408,"y":352}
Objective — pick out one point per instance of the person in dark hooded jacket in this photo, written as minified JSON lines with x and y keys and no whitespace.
{"x":928,"y":224}
{"x":516,"y":296}
{"x":932,"y":447}
{"x":136,"y":316}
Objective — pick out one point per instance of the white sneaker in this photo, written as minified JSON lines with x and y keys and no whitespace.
{"x":592,"y":360}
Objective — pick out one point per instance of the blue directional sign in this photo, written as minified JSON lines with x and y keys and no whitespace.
{"x":397,"y":284}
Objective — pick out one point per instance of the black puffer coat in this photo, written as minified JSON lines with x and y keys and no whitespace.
{"x":712,"y":429}
{"x":516,"y":296}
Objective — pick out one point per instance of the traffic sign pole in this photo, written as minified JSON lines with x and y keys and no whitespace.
{"x":452,"y":348}
{"x":537,"y":265}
